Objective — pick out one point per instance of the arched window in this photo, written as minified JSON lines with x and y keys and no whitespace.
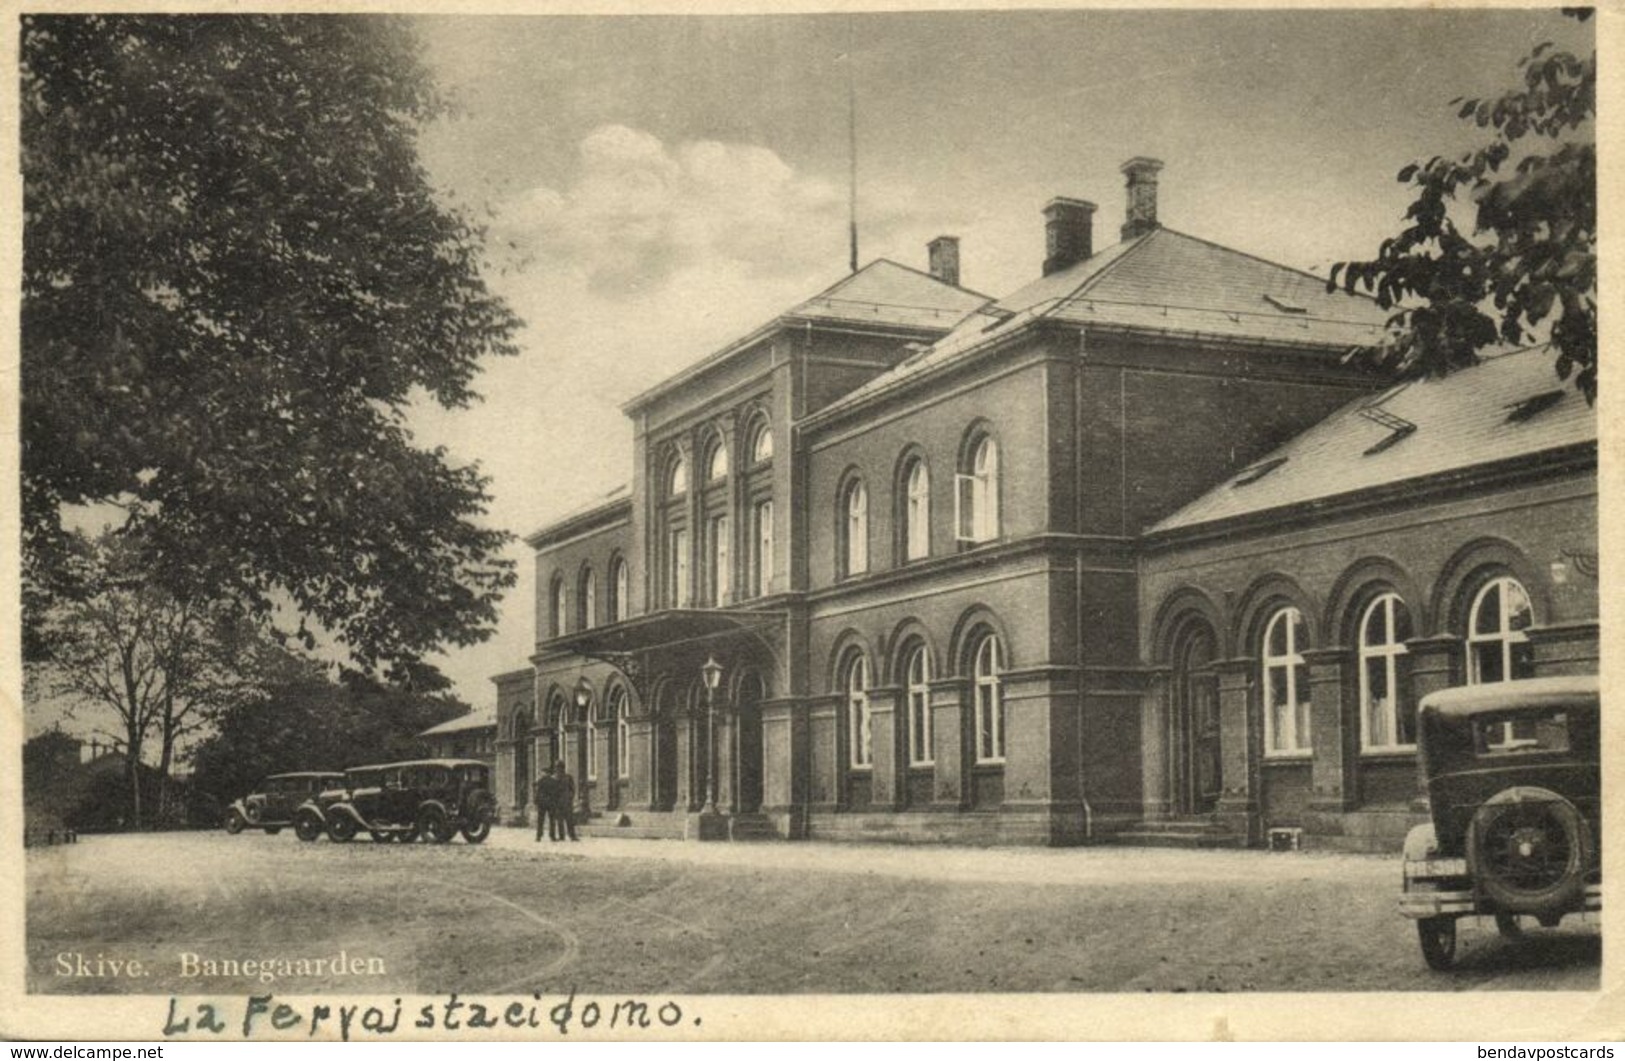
{"x":1387,"y":719}
{"x":677,"y":477}
{"x":1497,"y":646}
{"x":617,"y":590}
{"x":589,"y":737}
{"x":555,"y":606}
{"x":761,"y":442}
{"x":918,"y":676}
{"x":716,"y":462}
{"x":855,"y":524}
{"x":989,"y":696}
{"x":1286,"y":684}
{"x":556,"y":721}
{"x":857,"y":711}
{"x":917,"y":511}
{"x":588,"y":605}
{"x":977,"y":497}
{"x":619,"y":710}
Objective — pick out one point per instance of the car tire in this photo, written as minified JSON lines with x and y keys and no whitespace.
{"x":308,"y":827}
{"x":1507,"y":925}
{"x":477,"y":822}
{"x":341,"y":828}
{"x":1529,"y":850}
{"x":235,"y":823}
{"x":1438,"y":938}
{"x":476,"y":831}
{"x":435,"y":826}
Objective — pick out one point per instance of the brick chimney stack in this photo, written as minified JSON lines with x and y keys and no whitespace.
{"x":943,"y":253}
{"x":1069,"y":233}
{"x":1141,"y":216}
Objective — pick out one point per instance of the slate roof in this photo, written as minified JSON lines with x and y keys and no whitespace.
{"x":1461,"y":421}
{"x":479,"y":718}
{"x":1165,"y":282}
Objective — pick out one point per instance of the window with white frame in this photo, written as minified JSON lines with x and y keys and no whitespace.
{"x":1286,"y":684}
{"x":556,"y":605}
{"x":855,"y":512}
{"x":761,"y":443}
{"x":976,"y":501}
{"x":620,"y":709}
{"x":1387,"y":718}
{"x":918,"y":674}
{"x":589,"y":599}
{"x":989,"y":698}
{"x":859,"y":727}
{"x":917,"y":512}
{"x":677,"y":591}
{"x":716,"y":464}
{"x":677,"y":477}
{"x":1498,"y":649}
{"x":721,"y":565}
{"x":762,"y":562}
{"x":617,"y":590}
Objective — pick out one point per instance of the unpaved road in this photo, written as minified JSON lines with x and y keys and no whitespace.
{"x":663,"y":916}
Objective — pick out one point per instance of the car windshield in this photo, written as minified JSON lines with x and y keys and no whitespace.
{"x":1527,"y":733}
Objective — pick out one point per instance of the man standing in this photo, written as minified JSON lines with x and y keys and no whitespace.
{"x":564,"y":799}
{"x":545,"y":797}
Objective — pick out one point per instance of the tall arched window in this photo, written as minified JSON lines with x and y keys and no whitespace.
{"x":619,"y":710}
{"x":1387,"y":719}
{"x":917,"y":511}
{"x":589,"y":599}
{"x":716,"y":462}
{"x":677,"y":477}
{"x":1286,"y":684}
{"x":989,"y":697}
{"x":761,"y":442}
{"x":918,"y":676}
{"x":977,"y":497}
{"x":589,"y":737}
{"x":1497,"y":646}
{"x":556,"y":607}
{"x":855,"y":522}
{"x":859,"y":728}
{"x":617,"y":590}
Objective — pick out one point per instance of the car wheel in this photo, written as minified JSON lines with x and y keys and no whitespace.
{"x":382,"y":836}
{"x":476,"y":831}
{"x":477,"y":822}
{"x":341,"y":828}
{"x":1529,"y":851}
{"x":435,"y":826}
{"x":1507,"y":925}
{"x":307,"y":827}
{"x":1438,"y":938}
{"x":272,"y":830}
{"x":234,"y":823}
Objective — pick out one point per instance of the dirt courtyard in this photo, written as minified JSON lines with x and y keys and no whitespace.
{"x":667,"y":916}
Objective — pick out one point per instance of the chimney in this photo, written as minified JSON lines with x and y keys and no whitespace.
{"x":943,"y":253}
{"x":1141,"y":215}
{"x":1069,"y":233}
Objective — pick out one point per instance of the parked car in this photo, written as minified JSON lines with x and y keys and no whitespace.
{"x":432,"y":798}
{"x":272,"y":803}
{"x":1514,"y":786}
{"x":310,"y":819}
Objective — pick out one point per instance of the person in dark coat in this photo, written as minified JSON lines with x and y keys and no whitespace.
{"x":564,"y":800}
{"x":545,"y":798}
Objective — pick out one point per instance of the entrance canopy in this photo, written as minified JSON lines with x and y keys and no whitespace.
{"x":672,"y":628}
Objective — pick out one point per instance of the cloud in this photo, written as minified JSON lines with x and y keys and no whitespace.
{"x":637,"y":212}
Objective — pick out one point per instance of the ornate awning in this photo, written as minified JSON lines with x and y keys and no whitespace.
{"x":624,"y":644}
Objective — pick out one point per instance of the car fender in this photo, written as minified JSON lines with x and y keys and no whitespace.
{"x":349,"y":812}
{"x":1421,"y":843}
{"x":240,"y":807}
{"x":310,"y":806}
{"x":440,"y":804}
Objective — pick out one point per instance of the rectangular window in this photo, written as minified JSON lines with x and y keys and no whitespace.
{"x":721,"y":573}
{"x":919,"y":732}
{"x":677,"y":592}
{"x":762,"y":568}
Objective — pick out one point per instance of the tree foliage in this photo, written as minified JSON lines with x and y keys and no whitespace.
{"x":1528,"y":269}
{"x":236,"y":277}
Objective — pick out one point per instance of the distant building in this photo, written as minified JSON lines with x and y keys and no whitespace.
{"x":1139,"y":552}
{"x":470,"y":736}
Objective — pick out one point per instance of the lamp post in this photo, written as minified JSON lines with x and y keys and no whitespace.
{"x":711,"y":671}
{"x":583,"y":704}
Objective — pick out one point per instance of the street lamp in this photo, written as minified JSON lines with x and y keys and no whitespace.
{"x":583,"y":701}
{"x":711,"y":671}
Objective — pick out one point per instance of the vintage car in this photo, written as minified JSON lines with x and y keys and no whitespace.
{"x":272,"y":803}
{"x":1514,"y":790}
{"x":432,"y":798}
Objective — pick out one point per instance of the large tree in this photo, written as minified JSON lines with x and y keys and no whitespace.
{"x":236,"y":278}
{"x":1526,"y":268}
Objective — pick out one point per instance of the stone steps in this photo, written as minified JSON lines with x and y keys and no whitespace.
{"x":1187,"y":832}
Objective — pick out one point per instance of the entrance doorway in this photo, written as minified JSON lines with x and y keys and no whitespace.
{"x":1196,"y":775}
{"x":521,"y":760}
{"x":665,"y":753}
{"x":748,"y":753}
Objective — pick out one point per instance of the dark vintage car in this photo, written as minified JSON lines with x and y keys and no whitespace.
{"x":1514,"y":789}
{"x":432,"y":798}
{"x":272,"y":803}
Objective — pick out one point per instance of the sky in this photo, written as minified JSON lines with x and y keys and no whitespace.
{"x":656,"y":186}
